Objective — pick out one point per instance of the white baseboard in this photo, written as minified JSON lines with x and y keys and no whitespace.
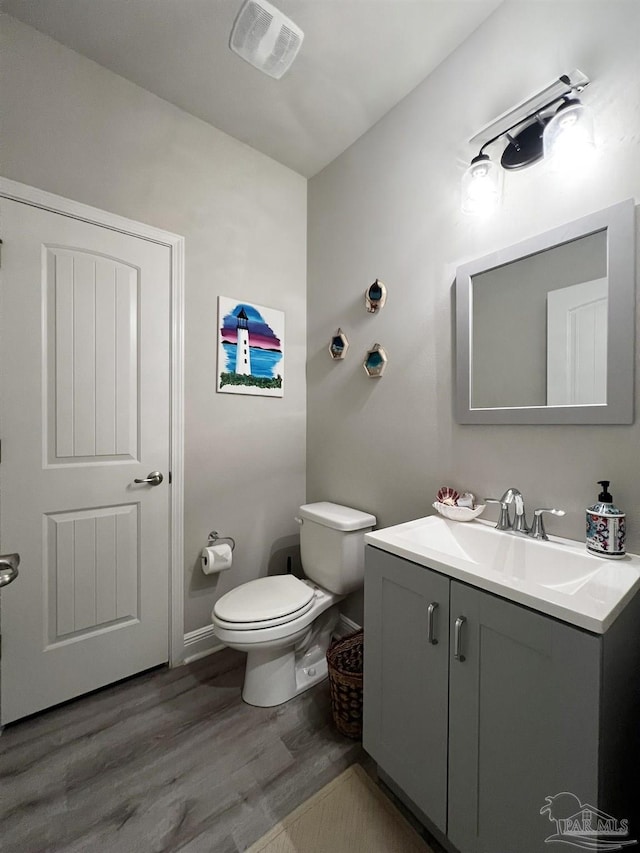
{"x":199,"y":643}
{"x":345,"y":627}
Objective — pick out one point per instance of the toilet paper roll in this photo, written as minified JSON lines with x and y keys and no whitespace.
{"x":216,"y":558}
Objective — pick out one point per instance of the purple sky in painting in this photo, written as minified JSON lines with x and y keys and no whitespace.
{"x":260,"y":333}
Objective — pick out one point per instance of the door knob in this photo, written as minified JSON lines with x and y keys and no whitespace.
{"x":9,"y":568}
{"x":154,"y":479}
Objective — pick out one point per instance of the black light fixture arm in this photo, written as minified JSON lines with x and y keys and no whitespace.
{"x":536,"y":114}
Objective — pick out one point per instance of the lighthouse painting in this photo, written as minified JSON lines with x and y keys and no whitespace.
{"x":250,"y":348}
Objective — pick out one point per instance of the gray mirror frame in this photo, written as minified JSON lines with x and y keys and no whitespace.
{"x":619,"y":222}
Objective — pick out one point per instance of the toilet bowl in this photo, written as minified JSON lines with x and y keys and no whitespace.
{"x":280,"y":648}
{"x":285,"y":624}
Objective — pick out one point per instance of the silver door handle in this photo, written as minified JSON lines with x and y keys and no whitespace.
{"x":154,"y":479}
{"x":457,"y":639}
{"x":9,"y":568}
{"x":431,"y":609}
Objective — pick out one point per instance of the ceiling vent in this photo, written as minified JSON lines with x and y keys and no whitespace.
{"x":265,"y":38}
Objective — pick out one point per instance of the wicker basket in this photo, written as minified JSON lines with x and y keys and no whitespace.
{"x":344,"y":659}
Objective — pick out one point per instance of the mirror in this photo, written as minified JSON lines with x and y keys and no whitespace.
{"x":545,"y":328}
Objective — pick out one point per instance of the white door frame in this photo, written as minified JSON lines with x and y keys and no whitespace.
{"x":58,"y":204}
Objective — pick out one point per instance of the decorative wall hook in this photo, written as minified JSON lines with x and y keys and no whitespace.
{"x":339,"y":345}
{"x":375,"y":296}
{"x":375,"y":361}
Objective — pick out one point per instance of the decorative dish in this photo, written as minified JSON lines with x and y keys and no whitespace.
{"x":458,"y":513}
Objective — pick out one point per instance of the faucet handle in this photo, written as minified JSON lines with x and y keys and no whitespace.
{"x":537,"y":528}
{"x":504,"y":522}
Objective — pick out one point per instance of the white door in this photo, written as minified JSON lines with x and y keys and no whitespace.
{"x":84,"y":354}
{"x":577,"y":344}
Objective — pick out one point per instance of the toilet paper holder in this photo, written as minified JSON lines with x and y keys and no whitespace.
{"x":214,"y":538}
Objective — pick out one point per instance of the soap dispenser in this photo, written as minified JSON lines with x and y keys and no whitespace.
{"x":606,"y":526}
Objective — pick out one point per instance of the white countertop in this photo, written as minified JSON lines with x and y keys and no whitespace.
{"x":557,"y":577}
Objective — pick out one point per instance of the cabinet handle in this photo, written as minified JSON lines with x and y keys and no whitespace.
{"x":431,"y":609}
{"x":457,"y":638}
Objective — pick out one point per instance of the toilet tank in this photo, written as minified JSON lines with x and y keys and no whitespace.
{"x":332,"y":545}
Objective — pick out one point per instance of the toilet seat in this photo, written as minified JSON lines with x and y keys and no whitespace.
{"x":249,"y":635}
{"x":264,"y":603}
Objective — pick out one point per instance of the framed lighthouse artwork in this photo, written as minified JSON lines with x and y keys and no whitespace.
{"x":250,"y":348}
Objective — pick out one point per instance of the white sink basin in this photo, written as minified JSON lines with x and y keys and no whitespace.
{"x":557,"y":577}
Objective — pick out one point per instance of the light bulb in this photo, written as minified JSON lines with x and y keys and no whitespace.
{"x":481,"y":186}
{"x":568,"y":138}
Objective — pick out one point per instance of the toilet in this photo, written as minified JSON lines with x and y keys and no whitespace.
{"x":284,"y":623}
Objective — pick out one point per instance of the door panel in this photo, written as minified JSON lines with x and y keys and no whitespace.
{"x":91,"y":306}
{"x":523,"y":704}
{"x":93,"y":570}
{"x":405,"y":678}
{"x":85,"y":335}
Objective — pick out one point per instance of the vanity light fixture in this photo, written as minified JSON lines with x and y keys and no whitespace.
{"x":481,"y":185}
{"x":552,"y":123}
{"x":568,"y":136}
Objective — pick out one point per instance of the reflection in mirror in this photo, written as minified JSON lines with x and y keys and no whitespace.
{"x":540,"y":328}
{"x":545,"y":329}
{"x":577,"y":344}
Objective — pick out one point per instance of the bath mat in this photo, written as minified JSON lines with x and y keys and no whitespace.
{"x":349,"y":815}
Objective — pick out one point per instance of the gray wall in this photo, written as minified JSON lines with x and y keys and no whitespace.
{"x":76,"y":129}
{"x":389,"y":207}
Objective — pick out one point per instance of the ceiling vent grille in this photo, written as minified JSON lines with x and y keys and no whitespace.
{"x":265,"y":38}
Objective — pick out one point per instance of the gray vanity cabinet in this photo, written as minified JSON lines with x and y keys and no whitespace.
{"x":523,"y":722}
{"x":531,"y":707}
{"x":405,"y":678}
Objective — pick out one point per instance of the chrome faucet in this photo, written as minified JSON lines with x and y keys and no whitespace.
{"x":519,"y":522}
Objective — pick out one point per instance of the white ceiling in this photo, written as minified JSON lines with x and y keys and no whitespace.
{"x":358,"y":59}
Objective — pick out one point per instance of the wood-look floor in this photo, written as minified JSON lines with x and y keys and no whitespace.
{"x":168,"y":760}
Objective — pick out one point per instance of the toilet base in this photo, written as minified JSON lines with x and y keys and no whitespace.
{"x":275,"y":675}
{"x":269,"y":682}
{"x":311,"y":673}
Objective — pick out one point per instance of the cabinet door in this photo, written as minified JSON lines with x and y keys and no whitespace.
{"x":523,"y":722}
{"x":406,"y":677}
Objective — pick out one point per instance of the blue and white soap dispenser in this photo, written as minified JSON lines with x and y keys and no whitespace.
{"x":606,"y":526}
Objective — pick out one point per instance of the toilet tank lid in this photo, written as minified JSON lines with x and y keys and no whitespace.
{"x":336,"y":516}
